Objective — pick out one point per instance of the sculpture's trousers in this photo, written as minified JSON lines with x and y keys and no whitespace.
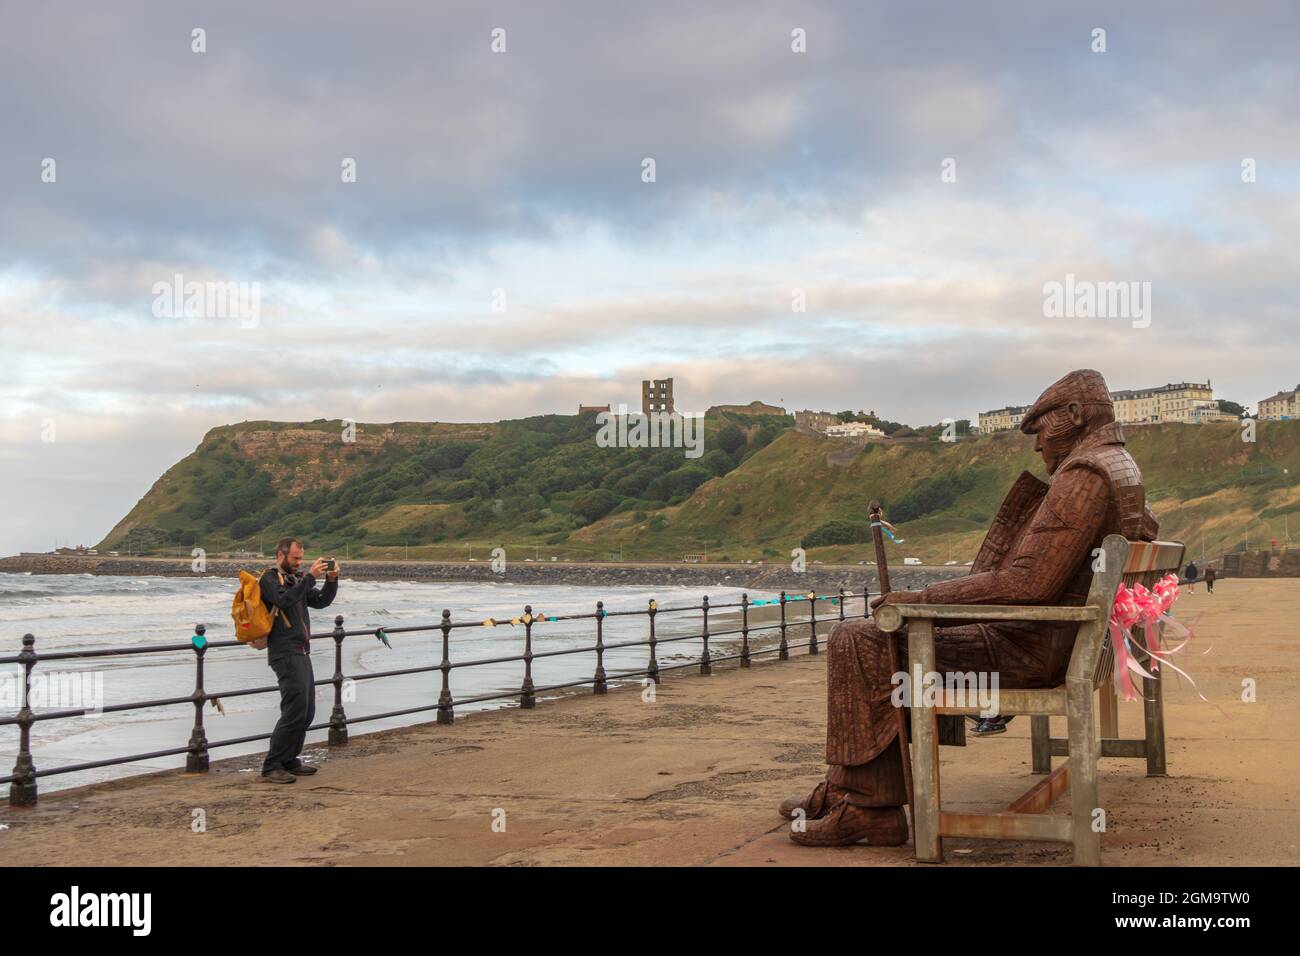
{"x":862,"y":750}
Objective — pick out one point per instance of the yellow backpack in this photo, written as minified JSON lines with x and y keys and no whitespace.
{"x":251,"y":615}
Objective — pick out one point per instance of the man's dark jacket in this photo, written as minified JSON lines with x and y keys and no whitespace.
{"x":293,"y":597}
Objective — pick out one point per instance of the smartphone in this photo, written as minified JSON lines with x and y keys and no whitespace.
{"x":329,"y":564}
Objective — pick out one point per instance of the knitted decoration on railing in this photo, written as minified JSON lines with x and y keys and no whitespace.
{"x":1149,"y":608}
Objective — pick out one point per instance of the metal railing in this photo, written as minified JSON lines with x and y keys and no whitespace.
{"x":22,"y":781}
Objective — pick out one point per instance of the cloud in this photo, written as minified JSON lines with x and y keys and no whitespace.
{"x":517,"y":177}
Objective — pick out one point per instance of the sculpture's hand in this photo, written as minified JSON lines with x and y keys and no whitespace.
{"x":897,"y":597}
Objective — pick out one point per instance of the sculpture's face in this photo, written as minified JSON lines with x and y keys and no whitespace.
{"x":1057,"y":432}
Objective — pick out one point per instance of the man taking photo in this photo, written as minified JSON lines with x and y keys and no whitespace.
{"x":289,"y":654}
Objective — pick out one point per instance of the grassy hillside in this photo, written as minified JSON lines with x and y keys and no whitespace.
{"x":447,"y":490}
{"x":421,"y":484}
{"x":1202,"y":481}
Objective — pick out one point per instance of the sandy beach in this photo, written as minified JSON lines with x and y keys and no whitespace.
{"x":693,"y":778}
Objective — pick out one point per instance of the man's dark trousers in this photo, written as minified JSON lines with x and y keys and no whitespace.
{"x":297,"y":709}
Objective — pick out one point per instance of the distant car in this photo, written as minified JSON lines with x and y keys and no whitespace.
{"x":911,"y":560}
{"x":968,"y":564}
{"x":948,"y":564}
{"x":862,"y":562}
{"x":113,"y":553}
{"x":552,"y":557}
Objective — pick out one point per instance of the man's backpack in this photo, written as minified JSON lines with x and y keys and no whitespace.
{"x":251,"y":615}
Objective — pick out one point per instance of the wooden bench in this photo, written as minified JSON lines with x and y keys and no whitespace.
{"x":1090,"y":671}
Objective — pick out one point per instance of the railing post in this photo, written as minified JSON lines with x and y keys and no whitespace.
{"x":841,"y":593}
{"x":706,"y":662}
{"x":22,"y":791}
{"x":652,"y":669}
{"x":784,"y":654}
{"x":338,"y":719}
{"x":446,"y":713}
{"x":866,"y":601}
{"x":196,"y":759}
{"x":599,"y":687}
{"x":744,"y":629}
{"x":812,"y":611}
{"x":526,"y":699}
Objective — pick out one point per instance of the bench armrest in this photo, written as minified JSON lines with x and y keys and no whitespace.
{"x":891,"y":617}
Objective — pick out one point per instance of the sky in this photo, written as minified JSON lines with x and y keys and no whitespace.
{"x":914,"y":173}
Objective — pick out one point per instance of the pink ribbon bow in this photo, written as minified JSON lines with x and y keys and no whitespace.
{"x":1150,"y":609}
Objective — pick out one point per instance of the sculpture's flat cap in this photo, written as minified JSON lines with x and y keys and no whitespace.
{"x":1083,"y":385}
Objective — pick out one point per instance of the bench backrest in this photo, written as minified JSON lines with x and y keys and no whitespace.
{"x":1138,"y":562}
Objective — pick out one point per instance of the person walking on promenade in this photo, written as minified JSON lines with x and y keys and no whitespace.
{"x":288,"y":652}
{"x":1210,"y":576}
{"x":1190,"y":572}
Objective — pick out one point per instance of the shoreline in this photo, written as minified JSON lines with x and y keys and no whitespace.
{"x":773,"y":577}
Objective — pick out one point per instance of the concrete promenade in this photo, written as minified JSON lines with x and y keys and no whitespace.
{"x":694,"y":778}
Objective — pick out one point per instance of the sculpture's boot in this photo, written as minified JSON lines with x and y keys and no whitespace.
{"x":815,"y":805}
{"x":848,"y":823}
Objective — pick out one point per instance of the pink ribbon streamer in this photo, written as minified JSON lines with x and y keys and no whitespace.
{"x":1150,"y":609}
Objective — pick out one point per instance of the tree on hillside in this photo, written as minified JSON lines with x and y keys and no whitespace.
{"x":594,"y":505}
{"x":731,"y":439}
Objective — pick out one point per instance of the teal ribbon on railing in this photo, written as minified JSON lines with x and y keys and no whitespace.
{"x":790,"y":598}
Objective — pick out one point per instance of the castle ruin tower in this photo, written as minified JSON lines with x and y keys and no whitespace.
{"x":657,"y":395}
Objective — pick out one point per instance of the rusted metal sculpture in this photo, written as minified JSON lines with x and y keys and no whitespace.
{"x":1039,"y":550}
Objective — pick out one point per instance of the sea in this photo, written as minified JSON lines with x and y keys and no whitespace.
{"x":80,"y":612}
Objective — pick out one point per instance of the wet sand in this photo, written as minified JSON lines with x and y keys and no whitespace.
{"x":694,"y":778}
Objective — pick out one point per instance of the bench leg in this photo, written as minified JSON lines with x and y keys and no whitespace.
{"x":1040,"y":746}
{"x":1083,"y":771}
{"x":1153,"y":712}
{"x":928,"y":846}
{"x":1109,"y":707}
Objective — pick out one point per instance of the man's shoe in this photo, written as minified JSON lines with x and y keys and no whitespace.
{"x":848,"y":823}
{"x":992,"y":725}
{"x":816,"y":805}
{"x":278,"y":776}
{"x":301,"y":770}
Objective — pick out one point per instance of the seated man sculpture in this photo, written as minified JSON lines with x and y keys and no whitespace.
{"x":1039,"y":551}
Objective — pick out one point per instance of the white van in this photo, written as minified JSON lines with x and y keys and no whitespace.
{"x":911,"y":560}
